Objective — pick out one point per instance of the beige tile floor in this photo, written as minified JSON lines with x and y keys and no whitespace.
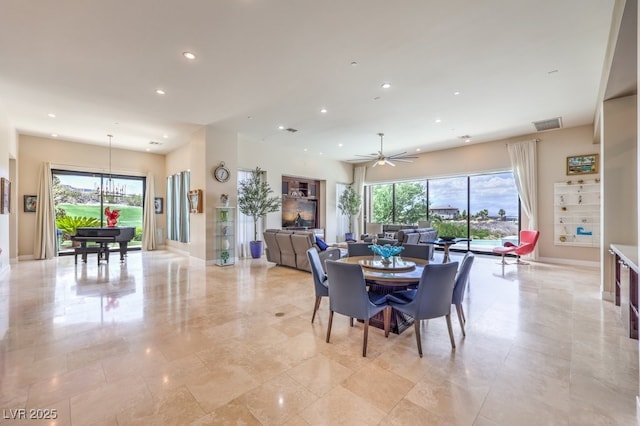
{"x":161,"y":341}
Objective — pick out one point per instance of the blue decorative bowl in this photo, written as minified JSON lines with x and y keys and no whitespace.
{"x":386,"y":251}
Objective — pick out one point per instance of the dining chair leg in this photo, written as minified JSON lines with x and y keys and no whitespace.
{"x":315,"y":308}
{"x":453,"y":342}
{"x":418,"y":341}
{"x":387,"y":320}
{"x":329,"y":326}
{"x":461,"y":318}
{"x":366,"y":335}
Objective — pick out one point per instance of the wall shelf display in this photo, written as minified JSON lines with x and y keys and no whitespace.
{"x":225,"y":236}
{"x":577,"y":213}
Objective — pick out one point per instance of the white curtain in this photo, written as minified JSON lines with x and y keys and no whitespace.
{"x":358,"y":186}
{"x":149,"y":218}
{"x":245,"y":225}
{"x":523,"y":163}
{"x":45,"y":245}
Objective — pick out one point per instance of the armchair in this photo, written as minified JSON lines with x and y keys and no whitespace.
{"x":528,"y":241}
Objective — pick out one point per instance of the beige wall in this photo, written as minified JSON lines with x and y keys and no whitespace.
{"x":619,"y":181}
{"x":280,"y":161}
{"x":7,"y":148}
{"x":33,"y":151}
{"x":553,"y":149}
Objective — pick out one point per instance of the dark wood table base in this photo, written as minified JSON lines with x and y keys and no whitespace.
{"x":399,"y":321}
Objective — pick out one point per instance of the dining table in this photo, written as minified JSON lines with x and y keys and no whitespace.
{"x":382,"y":278}
{"x":445,"y":243}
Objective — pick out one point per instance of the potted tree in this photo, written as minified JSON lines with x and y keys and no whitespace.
{"x":349,"y":204}
{"x":254,"y":201}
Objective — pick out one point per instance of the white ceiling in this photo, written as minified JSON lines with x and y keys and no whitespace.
{"x":97,"y":64}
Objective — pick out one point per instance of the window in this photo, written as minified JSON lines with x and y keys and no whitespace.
{"x":78,"y":195}
{"x":484,"y":208}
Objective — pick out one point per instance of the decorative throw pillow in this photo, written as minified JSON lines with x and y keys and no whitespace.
{"x":321,"y":244}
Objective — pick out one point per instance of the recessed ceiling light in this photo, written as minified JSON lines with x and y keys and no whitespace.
{"x":148,"y":149}
{"x":281,"y":127}
{"x":437,"y":120}
{"x":340,"y":145}
{"x":323,"y":110}
{"x":54,"y":135}
{"x":189,"y":55}
{"x":418,"y":149}
{"x":52,"y":115}
{"x":305,"y":150}
{"x":456,"y":93}
{"x":467,"y":140}
{"x":165,"y":136}
{"x":160,"y":92}
{"x":386,"y":85}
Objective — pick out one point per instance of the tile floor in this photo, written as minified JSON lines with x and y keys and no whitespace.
{"x":158,"y":340}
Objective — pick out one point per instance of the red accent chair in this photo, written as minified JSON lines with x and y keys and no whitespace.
{"x":528,"y":241}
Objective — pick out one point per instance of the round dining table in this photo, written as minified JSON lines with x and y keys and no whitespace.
{"x":401,"y":273}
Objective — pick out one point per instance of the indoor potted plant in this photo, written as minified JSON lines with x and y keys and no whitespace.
{"x":254,"y":201}
{"x":349,"y":204}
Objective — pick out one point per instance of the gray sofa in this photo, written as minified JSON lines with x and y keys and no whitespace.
{"x":417,"y":236}
{"x":289,"y":248}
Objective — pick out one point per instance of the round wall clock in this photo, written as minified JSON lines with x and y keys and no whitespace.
{"x":221,"y":173}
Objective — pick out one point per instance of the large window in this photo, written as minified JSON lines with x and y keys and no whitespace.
{"x":79,"y":200}
{"x":483,"y":208}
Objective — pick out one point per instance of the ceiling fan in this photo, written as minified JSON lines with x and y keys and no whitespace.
{"x":379,"y":159}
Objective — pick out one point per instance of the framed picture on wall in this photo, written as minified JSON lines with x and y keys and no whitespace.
{"x":30,"y":203}
{"x":5,"y":195}
{"x":195,"y":201}
{"x":158,"y":205}
{"x":582,"y":164}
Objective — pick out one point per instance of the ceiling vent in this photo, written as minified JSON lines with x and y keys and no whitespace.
{"x":292,"y":130}
{"x":551,"y":124}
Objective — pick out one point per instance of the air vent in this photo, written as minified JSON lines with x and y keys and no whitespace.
{"x":551,"y":124}
{"x":291,"y":130}
{"x":154,"y":143}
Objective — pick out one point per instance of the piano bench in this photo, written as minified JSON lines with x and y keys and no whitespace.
{"x":101,"y":250}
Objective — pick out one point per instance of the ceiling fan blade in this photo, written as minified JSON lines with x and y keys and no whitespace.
{"x":386,"y":161}
{"x":375,"y":163}
{"x":395,"y":157}
{"x":402,"y":160}
{"x":367,"y":156}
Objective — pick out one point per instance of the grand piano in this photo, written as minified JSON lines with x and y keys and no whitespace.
{"x":102,"y":237}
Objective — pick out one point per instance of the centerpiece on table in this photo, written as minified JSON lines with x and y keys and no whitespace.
{"x":386,"y":252}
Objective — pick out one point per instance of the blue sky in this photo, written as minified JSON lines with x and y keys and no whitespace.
{"x":90,"y":182}
{"x":492,"y":192}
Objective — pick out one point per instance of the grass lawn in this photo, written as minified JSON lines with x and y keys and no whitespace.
{"x":129,"y":215}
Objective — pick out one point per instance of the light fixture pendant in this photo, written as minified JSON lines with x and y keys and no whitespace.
{"x":110,"y":189}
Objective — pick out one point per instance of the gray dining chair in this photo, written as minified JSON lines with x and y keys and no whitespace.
{"x":460,"y":287}
{"x":320,"y":281}
{"x":348,"y":296}
{"x":359,"y":249}
{"x":417,"y":251}
{"x":432,"y":298}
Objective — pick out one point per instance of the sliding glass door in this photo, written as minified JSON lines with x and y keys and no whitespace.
{"x":80,"y":199}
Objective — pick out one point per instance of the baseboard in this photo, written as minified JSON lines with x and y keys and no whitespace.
{"x":573,"y":262}
{"x":607,"y":295}
{"x":24,"y":257}
{"x":638,"y":410}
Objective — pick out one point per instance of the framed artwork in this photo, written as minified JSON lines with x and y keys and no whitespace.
{"x":195,"y":201}
{"x":30,"y":203}
{"x":158,"y":205}
{"x":582,"y":164}
{"x":299,"y":213}
{"x":5,"y":196}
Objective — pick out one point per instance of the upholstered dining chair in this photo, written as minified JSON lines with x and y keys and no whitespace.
{"x":460,"y":287}
{"x":320,"y":281}
{"x":432,"y":298}
{"x":348,"y":296}
{"x":359,"y":249}
{"x":418,"y":251}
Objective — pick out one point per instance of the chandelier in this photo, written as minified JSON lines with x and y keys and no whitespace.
{"x":109,"y":188}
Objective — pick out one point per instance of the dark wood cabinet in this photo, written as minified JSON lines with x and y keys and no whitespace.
{"x":626,"y":292}
{"x":300,"y":204}
{"x":299,"y":187}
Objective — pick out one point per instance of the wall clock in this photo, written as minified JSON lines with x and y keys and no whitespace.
{"x":221,"y":173}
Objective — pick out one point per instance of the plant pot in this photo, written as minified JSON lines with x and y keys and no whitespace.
{"x":256,"y":249}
